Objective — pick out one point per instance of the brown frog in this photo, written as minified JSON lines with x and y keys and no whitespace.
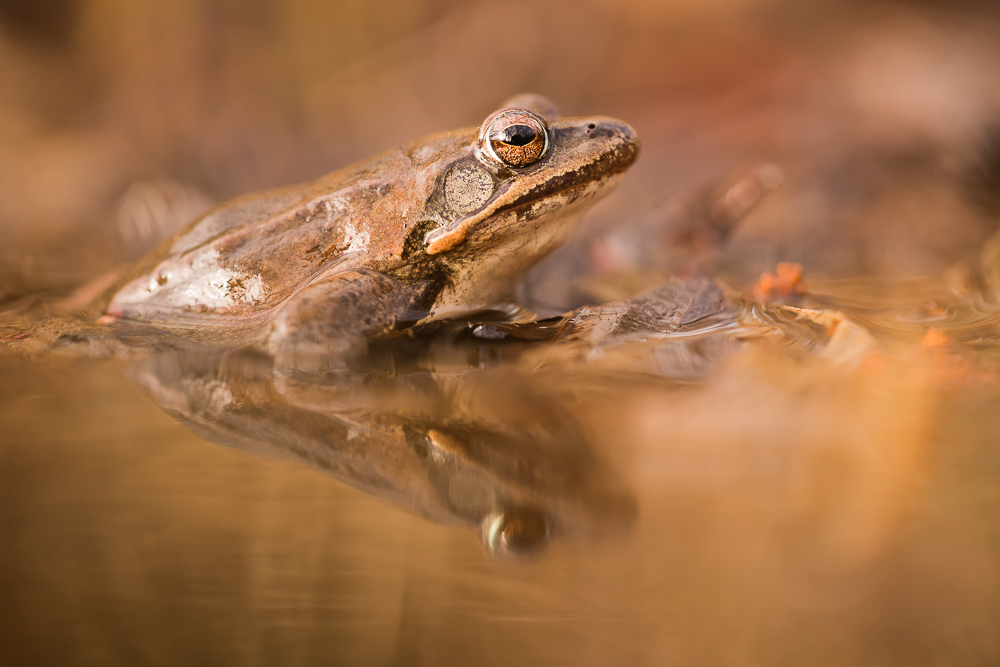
{"x":314,"y":275}
{"x":445,"y":225}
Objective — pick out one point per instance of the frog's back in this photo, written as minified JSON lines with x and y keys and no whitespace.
{"x":246,"y":211}
{"x":232,"y":267}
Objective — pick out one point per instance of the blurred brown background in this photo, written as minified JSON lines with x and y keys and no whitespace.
{"x":112,"y":109}
{"x":843,"y":526}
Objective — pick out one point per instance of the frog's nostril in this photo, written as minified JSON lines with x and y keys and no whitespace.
{"x":591,"y":126}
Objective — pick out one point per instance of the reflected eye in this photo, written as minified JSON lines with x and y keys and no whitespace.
{"x":516,"y":534}
{"x":514,"y":137}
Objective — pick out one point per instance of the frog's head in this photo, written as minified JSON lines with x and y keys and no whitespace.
{"x":507,"y":196}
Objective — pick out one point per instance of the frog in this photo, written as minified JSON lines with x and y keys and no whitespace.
{"x":445,"y":225}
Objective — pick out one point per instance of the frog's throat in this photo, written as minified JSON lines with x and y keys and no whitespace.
{"x":445,"y":238}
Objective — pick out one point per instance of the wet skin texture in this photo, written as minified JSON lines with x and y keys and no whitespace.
{"x":417,"y":234}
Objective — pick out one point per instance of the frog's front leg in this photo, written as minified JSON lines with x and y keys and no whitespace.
{"x":332,"y":320}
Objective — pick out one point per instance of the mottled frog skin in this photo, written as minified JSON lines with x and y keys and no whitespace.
{"x":445,"y":225}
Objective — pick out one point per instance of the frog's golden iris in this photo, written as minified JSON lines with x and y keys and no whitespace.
{"x":514,"y":137}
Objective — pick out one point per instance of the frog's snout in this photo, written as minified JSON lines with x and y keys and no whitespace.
{"x":623,"y":140}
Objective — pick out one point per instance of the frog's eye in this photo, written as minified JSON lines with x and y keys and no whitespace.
{"x":514,"y":137}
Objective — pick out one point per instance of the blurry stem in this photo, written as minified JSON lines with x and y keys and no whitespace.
{"x":704,"y":237}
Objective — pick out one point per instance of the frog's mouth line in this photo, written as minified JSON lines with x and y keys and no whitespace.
{"x":569,"y":193}
{"x":594,"y":174}
{"x":562,"y":184}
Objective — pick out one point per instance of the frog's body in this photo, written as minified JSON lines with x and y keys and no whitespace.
{"x":445,"y":224}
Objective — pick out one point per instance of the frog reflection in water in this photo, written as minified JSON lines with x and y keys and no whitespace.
{"x":313,"y":276}
{"x":481,"y":449}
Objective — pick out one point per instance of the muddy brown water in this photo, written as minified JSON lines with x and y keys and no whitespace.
{"x":787,"y":511}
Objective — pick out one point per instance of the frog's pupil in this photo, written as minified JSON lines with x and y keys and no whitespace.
{"x":517,"y":135}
